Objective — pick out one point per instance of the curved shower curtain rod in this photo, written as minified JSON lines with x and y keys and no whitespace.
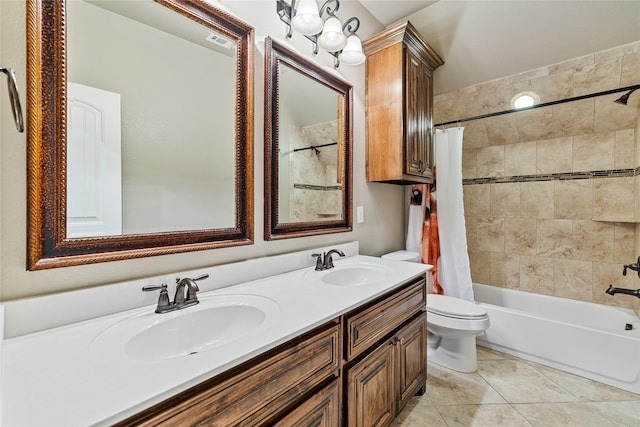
{"x":547,"y":104}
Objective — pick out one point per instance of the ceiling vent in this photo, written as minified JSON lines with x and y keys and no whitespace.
{"x":220,"y":41}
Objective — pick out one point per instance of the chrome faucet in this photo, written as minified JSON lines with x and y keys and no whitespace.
{"x":327,"y":262}
{"x":179,"y":300}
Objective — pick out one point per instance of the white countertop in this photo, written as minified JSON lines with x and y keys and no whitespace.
{"x":57,"y":378}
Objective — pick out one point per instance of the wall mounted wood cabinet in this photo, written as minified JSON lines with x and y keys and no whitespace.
{"x":399,"y":87}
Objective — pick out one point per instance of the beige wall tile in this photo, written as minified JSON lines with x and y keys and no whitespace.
{"x":555,"y":238}
{"x":475,"y":134}
{"x":480,"y":264}
{"x":614,"y":198}
{"x":469,"y":163}
{"x":536,"y":199}
{"x":573,"y":199}
{"x":624,"y":243}
{"x":573,"y":118}
{"x":554,"y":155}
{"x":593,"y":241}
{"x":519,"y":159}
{"x":502,"y":130}
{"x":491,"y":234}
{"x":448,"y":107}
{"x":536,"y":274}
{"x":572,"y":65}
{"x":594,"y":152}
{"x":573,"y":279}
{"x":611,"y":116}
{"x":496,"y":96}
{"x":477,"y":200}
{"x":625,"y":149}
{"x":490,"y":162}
{"x":505,"y":270}
{"x":602,"y":75}
{"x":505,"y":200}
{"x":630,"y":70}
{"x":534,"y":125}
{"x":520,"y":236}
{"x":471,"y":226}
{"x":554,"y":86}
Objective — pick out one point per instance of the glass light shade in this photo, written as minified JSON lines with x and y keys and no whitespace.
{"x":352,"y":53}
{"x":307,"y":20}
{"x":332,"y":38}
{"x":525,"y":99}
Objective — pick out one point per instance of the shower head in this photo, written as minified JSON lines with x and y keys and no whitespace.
{"x":624,"y":98}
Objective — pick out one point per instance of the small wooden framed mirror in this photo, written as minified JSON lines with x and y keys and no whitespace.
{"x":308,"y":147}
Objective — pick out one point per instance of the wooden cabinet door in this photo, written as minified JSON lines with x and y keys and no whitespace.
{"x":411,"y":346}
{"x":418,"y":116}
{"x":370,"y":389}
{"x":413,"y":114}
{"x":320,"y":410}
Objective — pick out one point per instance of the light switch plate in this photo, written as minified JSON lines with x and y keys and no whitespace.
{"x":360,"y":214}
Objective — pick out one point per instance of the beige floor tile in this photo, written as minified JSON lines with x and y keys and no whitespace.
{"x":445,"y":386}
{"x":485,"y":353}
{"x":584,"y":388}
{"x":519,"y":382}
{"x":482,"y":416}
{"x":621,"y":413}
{"x":564,"y":415}
{"x":419,"y":412}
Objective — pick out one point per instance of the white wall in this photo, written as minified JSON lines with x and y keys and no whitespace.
{"x":383,"y":230}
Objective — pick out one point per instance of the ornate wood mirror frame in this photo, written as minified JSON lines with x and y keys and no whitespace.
{"x":279,"y":61}
{"x":48,"y":245}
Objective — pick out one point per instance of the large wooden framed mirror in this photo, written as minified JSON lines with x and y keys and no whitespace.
{"x":140,"y":130}
{"x":308,"y":132}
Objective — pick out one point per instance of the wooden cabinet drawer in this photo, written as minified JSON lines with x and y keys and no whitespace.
{"x":320,"y":410}
{"x":365,"y":327}
{"x":257,"y":390}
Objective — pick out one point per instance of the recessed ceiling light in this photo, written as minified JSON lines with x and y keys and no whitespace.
{"x":525,"y":99}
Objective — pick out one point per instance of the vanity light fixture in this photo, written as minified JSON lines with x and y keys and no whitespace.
{"x":525,"y":100}
{"x":324,"y":29}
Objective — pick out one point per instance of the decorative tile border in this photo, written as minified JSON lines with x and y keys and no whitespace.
{"x":317,"y":187}
{"x":565,"y":176}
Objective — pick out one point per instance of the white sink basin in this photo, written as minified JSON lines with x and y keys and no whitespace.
{"x":215,"y":322}
{"x":353,"y":274}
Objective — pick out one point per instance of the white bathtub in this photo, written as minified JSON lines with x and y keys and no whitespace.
{"x":582,"y":338}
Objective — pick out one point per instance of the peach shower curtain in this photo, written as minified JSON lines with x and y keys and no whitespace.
{"x":430,"y":238}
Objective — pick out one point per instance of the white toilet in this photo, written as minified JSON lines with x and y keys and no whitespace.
{"x":408,"y":256}
{"x":452,"y":326}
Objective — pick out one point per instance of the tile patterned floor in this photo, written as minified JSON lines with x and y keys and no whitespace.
{"x":511,"y":392}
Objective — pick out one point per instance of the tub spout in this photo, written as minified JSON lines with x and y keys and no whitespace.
{"x":613,"y":291}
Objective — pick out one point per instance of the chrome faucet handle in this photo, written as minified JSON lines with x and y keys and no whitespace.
{"x":319,"y":263}
{"x":164,"y":304}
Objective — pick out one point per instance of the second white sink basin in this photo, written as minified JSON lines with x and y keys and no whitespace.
{"x":353,"y":275}
{"x":216,"y":321}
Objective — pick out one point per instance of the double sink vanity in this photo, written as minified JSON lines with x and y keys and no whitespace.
{"x":344,"y":345}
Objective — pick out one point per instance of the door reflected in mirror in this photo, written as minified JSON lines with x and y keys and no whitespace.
{"x":140,"y":137}
{"x":308,"y":147}
{"x":150,"y":142}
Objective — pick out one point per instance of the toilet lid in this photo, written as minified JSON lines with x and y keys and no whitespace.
{"x":454,"y":307}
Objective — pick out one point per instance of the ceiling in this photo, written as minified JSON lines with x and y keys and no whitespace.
{"x":485,"y":40}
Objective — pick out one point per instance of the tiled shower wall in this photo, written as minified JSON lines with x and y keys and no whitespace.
{"x":551,"y":194}
{"x":314,"y":190}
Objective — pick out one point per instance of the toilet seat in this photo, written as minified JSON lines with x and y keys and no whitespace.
{"x":454,"y":308}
